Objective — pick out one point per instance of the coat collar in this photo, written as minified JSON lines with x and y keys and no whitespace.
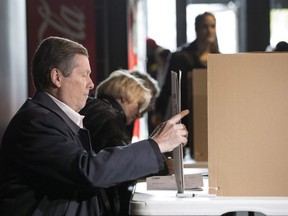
{"x":42,"y":99}
{"x":116,"y":106}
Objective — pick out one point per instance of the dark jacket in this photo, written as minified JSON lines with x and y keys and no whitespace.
{"x":105,"y":120}
{"x":47,"y":166}
{"x":185,"y":60}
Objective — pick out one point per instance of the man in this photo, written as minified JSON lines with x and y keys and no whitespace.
{"x":187,"y":57}
{"x":47,"y":165}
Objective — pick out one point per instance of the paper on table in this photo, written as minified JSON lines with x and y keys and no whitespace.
{"x":169,"y":183}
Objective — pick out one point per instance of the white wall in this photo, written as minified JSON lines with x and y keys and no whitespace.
{"x":161,"y":22}
{"x":13,"y":59}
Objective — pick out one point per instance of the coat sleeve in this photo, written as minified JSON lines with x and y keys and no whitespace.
{"x":45,"y":148}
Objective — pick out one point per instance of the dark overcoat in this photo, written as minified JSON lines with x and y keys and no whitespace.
{"x":47,"y":166}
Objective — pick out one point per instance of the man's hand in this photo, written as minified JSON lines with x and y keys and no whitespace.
{"x":172,"y":133}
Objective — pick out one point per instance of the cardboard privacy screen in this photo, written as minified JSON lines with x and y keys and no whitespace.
{"x":197,"y":102}
{"x":248,"y":124}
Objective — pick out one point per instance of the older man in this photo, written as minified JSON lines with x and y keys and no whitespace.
{"x":47,"y":166}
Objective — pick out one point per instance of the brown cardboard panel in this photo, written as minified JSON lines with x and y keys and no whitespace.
{"x":248,"y":124}
{"x":198,"y":79}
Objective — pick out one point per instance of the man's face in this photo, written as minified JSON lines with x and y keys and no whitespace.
{"x":74,"y":89}
{"x":207,"y":29}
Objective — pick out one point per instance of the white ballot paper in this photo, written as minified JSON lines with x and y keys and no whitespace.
{"x":178,"y":181}
{"x":192,"y":181}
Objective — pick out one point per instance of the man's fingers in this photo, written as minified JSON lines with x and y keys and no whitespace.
{"x":179,"y":116}
{"x":184,"y":113}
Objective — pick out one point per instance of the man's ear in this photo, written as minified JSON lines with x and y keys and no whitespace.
{"x":56,"y":77}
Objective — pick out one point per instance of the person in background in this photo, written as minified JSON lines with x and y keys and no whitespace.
{"x":119,"y":99}
{"x":151,"y":64}
{"x":156,"y":60}
{"x":161,"y":56}
{"x":47,"y":164}
{"x":186,"y":58}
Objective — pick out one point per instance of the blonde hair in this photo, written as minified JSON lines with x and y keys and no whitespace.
{"x":122,"y":85}
{"x":149,"y":81}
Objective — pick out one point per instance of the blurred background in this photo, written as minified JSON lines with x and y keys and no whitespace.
{"x":115,"y":33}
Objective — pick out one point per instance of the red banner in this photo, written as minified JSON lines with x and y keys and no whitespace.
{"x":73,"y":19}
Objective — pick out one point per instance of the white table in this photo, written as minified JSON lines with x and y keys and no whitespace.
{"x":165,"y":202}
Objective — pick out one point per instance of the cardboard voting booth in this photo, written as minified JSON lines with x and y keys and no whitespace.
{"x":197,"y":101}
{"x":247,"y":101}
{"x":248,"y":124}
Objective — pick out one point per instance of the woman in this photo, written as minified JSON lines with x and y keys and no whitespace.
{"x":119,"y":100}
